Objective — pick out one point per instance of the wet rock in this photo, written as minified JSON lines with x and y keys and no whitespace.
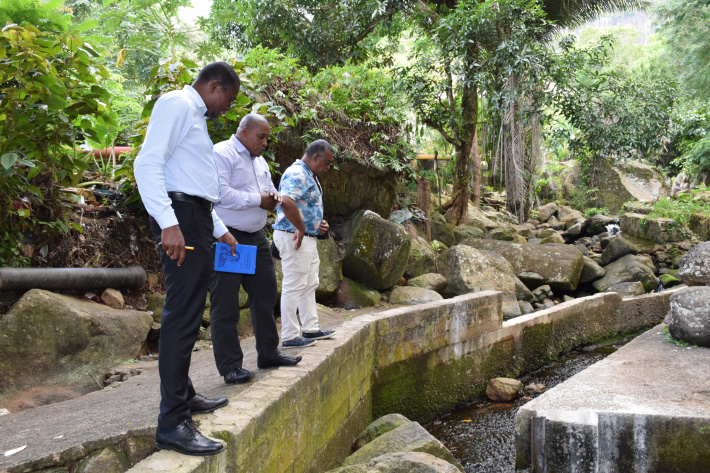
{"x":52,"y":339}
{"x":413,"y":295}
{"x":352,"y":294}
{"x":617,"y":248}
{"x":433,"y":281}
{"x":410,"y":437}
{"x":694,"y":267}
{"x":470,"y":270}
{"x":522,"y":293}
{"x":628,"y":269}
{"x":109,"y":460}
{"x":534,"y":388}
{"x":559,"y":266}
{"x":627,"y":289}
{"x":573,"y":232}
{"x":596,"y":224}
{"x":381,"y":426}
{"x":591,"y":271}
{"x":503,"y":389}
{"x":422,"y":259}
{"x":546,"y":211}
{"x":378,"y":251}
{"x":689,"y":318}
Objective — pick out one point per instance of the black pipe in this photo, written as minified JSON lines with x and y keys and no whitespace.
{"x":13,"y":279}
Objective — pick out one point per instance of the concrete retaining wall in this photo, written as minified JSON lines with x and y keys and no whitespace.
{"x":420,"y":361}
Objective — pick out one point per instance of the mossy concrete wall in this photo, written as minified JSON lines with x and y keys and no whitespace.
{"x":420,"y":361}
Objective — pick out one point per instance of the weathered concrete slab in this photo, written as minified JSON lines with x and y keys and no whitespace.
{"x":645,"y":408}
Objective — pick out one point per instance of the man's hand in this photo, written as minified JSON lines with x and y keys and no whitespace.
{"x":229,"y":239}
{"x":298,"y":236}
{"x":173,"y":243}
{"x":270,"y":200}
{"x":323,"y":227}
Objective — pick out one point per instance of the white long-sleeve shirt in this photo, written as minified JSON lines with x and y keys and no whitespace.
{"x":177,"y":157}
{"x":242,"y":178}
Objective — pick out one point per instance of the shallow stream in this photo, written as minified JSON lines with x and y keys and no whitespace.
{"x":481,"y":435}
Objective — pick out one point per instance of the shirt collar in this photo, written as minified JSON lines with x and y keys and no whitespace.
{"x":241,"y":149}
{"x":196,"y":98}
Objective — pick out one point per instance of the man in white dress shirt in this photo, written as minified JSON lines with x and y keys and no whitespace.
{"x":178,"y":182}
{"x":246,"y":194}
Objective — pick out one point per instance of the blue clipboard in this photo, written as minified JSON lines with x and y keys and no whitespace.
{"x":244,"y":262}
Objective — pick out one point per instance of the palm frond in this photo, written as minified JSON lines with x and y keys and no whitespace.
{"x":573,"y":13}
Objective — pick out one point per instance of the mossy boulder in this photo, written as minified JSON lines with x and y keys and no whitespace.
{"x":401,"y":462}
{"x":560,"y":266}
{"x":442,"y":231}
{"x":592,"y":271}
{"x":502,"y":233}
{"x":617,"y":248}
{"x":619,"y":183}
{"x":596,"y":224}
{"x":464,"y":232}
{"x":410,"y":437}
{"x":422,"y":259}
{"x":351,"y":294}
{"x":546,"y":211}
{"x":108,"y":460}
{"x":379,"y":427}
{"x":435,"y":282}
{"x":52,"y":339}
{"x":328,"y":269}
{"x":378,"y":251}
{"x":413,"y":295}
{"x":628,"y":269}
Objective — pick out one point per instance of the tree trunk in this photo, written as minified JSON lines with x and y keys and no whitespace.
{"x":476,"y":164}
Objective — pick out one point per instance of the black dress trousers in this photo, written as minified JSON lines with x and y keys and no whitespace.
{"x":224,"y":306}
{"x":186,"y":290}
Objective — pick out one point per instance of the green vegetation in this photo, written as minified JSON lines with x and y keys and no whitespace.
{"x":591,"y":212}
{"x":669,"y":338}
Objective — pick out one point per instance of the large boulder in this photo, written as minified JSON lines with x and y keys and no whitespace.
{"x":378,"y":251}
{"x":628,"y":269}
{"x":619,"y":183}
{"x":328,"y":269}
{"x":410,"y":437}
{"x":379,"y":427}
{"x":470,"y":270}
{"x":464,"y":232}
{"x":546,"y":211}
{"x":694,"y":267}
{"x":422,"y":259}
{"x":442,"y":231}
{"x":659,"y":230}
{"x":617,"y":248}
{"x":401,"y":462}
{"x":480,"y":218}
{"x":413,"y":295}
{"x":689,"y":318}
{"x":591,"y":272}
{"x":560,"y":266}
{"x":51,"y":339}
{"x":596,"y":224}
{"x":435,"y":282}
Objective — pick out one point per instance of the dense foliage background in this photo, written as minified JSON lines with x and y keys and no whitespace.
{"x":511,"y":86}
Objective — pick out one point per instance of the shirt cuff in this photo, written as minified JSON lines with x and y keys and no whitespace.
{"x":219,"y":229}
{"x":255,"y":199}
{"x":167,"y":219}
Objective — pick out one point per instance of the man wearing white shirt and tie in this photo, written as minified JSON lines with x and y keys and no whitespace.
{"x":178,"y":182}
{"x":246,"y":194}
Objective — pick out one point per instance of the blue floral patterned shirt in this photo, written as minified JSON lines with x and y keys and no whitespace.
{"x":299,"y":183}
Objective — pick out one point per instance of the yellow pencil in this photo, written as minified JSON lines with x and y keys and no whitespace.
{"x":189,"y":247}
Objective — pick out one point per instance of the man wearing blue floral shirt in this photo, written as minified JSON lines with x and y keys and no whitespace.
{"x":299,"y":221}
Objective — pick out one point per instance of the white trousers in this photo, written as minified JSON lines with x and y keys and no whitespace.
{"x":298,"y":290}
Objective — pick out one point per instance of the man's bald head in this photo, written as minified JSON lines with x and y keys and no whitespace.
{"x":253,"y":133}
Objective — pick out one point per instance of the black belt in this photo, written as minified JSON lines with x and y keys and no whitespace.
{"x":182,"y":197}
{"x":304,"y":233}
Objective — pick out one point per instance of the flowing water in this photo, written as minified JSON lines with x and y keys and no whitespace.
{"x":481,"y":435}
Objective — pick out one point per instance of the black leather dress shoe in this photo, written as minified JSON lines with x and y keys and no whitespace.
{"x":186,"y":439}
{"x":238,"y":376}
{"x":280,"y":360}
{"x":201,"y":405}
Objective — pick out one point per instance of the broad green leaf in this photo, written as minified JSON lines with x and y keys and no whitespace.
{"x":56,"y":102}
{"x":8,"y":159}
{"x":32,"y":172}
{"x":24,"y":213}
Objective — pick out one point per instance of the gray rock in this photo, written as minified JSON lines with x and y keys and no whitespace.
{"x":627,"y":289}
{"x":591,"y":271}
{"x":582,"y":248}
{"x":694,"y":267}
{"x":522,"y":293}
{"x":567,"y":298}
{"x":422,"y":259}
{"x":470,"y":270}
{"x":441,"y":230}
{"x":503,"y":389}
{"x":543,"y":292}
{"x":463,"y":232}
{"x":413,"y":295}
{"x":689,"y":318}
{"x":545,"y":304}
{"x":617,"y":248}
{"x":378,"y":251}
{"x":574,"y":231}
{"x":51,"y":339}
{"x":410,"y":437}
{"x":352,"y":294}
{"x":502,"y":233}
{"x":596,"y":224}
{"x":659,"y":230}
{"x":328,"y":269}
{"x":566,"y":214}
{"x":555,"y":238}
{"x":433,"y":281}
{"x":628,"y":269}
{"x":526,"y":307}
{"x":381,"y":426}
{"x":546,"y":211}
{"x":560,"y":266}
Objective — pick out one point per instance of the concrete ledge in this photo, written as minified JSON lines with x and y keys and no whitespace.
{"x":644,"y":408}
